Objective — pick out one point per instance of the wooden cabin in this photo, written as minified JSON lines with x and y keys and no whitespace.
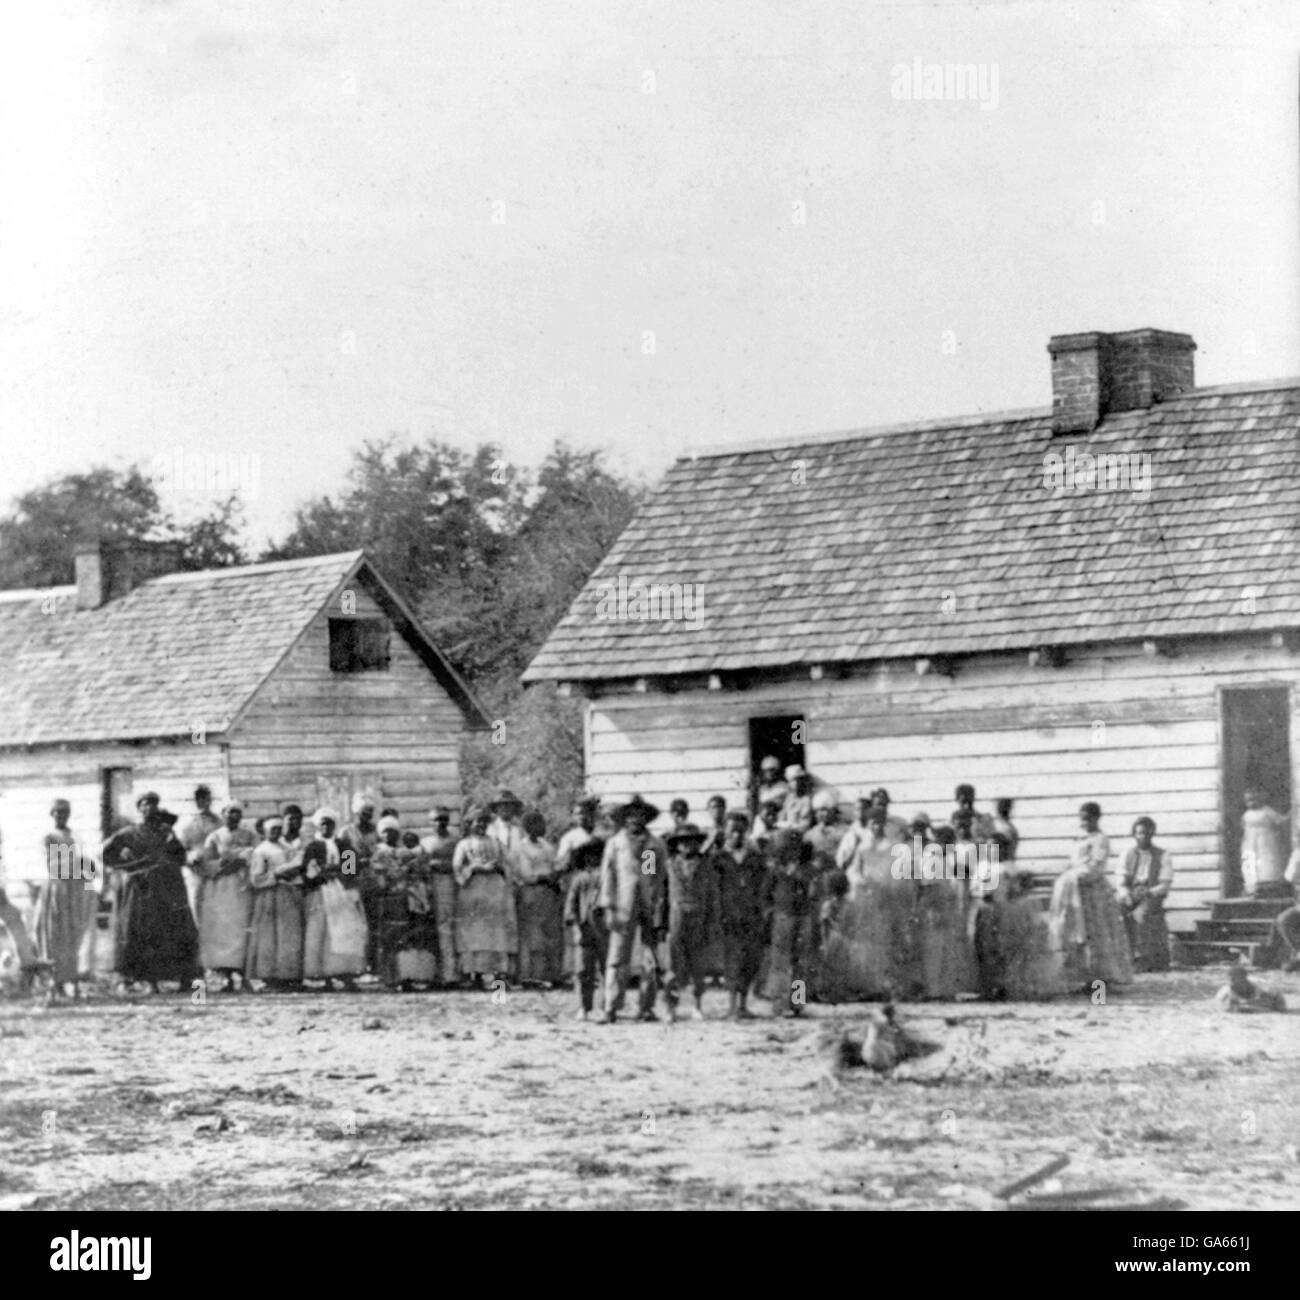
{"x":303,"y":681}
{"x":964,"y":601}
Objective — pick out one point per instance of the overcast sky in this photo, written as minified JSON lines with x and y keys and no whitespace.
{"x":278,"y":230}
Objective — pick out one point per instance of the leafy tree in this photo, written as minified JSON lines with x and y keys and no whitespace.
{"x":491,"y":557}
{"x":39,"y":538}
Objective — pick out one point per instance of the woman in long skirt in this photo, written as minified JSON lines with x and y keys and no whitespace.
{"x":870,"y":957}
{"x":275,"y":935}
{"x":417,"y":953}
{"x":335,"y":933}
{"x":225,"y":899}
{"x":1087,"y":927}
{"x":486,"y":930}
{"x":66,"y":910}
{"x":539,"y":904}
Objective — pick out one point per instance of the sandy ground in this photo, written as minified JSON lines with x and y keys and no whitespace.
{"x":459,"y":1101}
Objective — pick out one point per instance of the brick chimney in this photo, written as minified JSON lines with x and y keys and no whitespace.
{"x":108,"y":570}
{"x":1096,"y":374}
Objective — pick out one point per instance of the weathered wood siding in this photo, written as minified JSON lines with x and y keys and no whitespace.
{"x":1137,"y":734}
{"x":30,"y":781}
{"x":396,"y":731}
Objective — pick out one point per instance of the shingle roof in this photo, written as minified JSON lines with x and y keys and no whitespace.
{"x":177,"y":650}
{"x":942,"y":538}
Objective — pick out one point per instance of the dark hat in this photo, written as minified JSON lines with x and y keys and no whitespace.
{"x":149,"y":796}
{"x":686,"y":831}
{"x":648,"y":809}
{"x":588,"y":854}
{"x":506,"y":798}
{"x":1090,"y":809}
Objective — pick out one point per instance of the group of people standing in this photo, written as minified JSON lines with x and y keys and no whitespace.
{"x":793,"y":905}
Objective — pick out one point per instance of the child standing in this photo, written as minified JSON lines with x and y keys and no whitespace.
{"x":586,"y":922}
{"x":690,"y":910}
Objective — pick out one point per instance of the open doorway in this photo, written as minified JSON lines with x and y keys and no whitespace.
{"x":1256,"y":729}
{"x":781,"y":737}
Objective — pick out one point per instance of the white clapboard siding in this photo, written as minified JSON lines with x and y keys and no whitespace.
{"x":1140,"y":734}
{"x":30,"y":782}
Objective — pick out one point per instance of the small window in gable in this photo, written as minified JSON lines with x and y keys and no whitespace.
{"x":359,"y":645}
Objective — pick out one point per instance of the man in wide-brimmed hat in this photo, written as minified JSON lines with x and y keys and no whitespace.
{"x":504,"y":826}
{"x":690,"y":910}
{"x":632,"y":880}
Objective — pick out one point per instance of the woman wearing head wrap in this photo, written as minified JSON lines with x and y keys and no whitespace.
{"x":68,"y":903}
{"x":1087,"y":928}
{"x":226,"y":898}
{"x":391,"y":904}
{"x":486,"y":929}
{"x":336,"y":933}
{"x":276,"y":931}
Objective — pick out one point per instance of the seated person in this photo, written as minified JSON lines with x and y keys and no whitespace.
{"x":1144,"y":884}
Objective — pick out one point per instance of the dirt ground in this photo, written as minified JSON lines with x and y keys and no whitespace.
{"x":457,"y":1100}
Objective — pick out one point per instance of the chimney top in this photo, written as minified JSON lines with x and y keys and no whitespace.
{"x":1095,"y":374}
{"x":106,"y":570}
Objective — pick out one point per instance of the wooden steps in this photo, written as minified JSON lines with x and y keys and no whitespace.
{"x":1235,"y":925}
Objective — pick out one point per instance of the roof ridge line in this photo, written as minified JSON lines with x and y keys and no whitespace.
{"x":1019,"y":415}
{"x":247,"y":570}
{"x":714,"y":450}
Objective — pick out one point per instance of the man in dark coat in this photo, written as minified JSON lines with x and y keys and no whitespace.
{"x":742,"y":871}
{"x":155,"y":937}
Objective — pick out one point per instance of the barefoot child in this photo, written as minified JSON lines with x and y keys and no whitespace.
{"x":690,"y":910}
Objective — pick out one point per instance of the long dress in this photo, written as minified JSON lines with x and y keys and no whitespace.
{"x":335,"y":933}
{"x":540,"y":909}
{"x":275,"y":935}
{"x":868,"y":952}
{"x":66,"y":909}
{"x":941,"y":963}
{"x":1263,"y":847}
{"x":1087,"y":928}
{"x":439,"y":851}
{"x":417,"y":950}
{"x":154,"y":933}
{"x":225,"y":898}
{"x":487,"y":937}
